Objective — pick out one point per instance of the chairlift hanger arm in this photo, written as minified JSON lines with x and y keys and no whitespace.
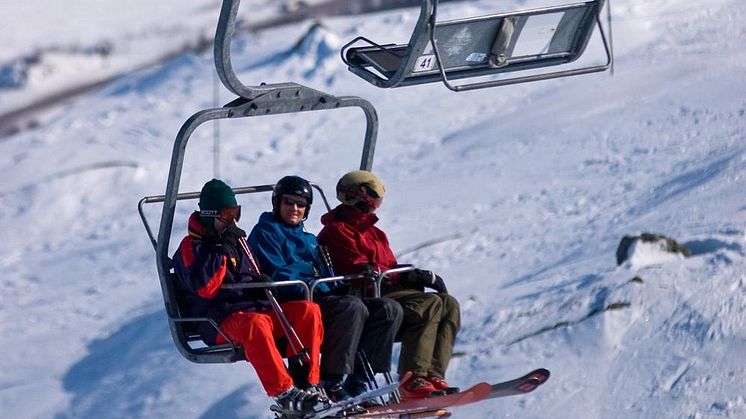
{"x":222,"y":55}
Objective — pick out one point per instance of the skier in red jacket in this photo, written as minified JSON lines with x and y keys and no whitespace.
{"x":210,"y":256}
{"x":431,"y":320}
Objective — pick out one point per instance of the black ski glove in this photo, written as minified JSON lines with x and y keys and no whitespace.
{"x":341,"y":289}
{"x":366,"y":269}
{"x":263,"y":278}
{"x":211,"y":240}
{"x":229,"y":239}
{"x":429,"y":279}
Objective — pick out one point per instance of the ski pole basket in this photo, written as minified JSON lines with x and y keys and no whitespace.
{"x":482,"y":46}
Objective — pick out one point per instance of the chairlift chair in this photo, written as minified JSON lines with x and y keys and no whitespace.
{"x":184,"y":328}
{"x":482,"y":46}
{"x":252,"y":101}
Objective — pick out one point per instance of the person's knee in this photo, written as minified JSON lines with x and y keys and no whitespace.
{"x":302,"y":312}
{"x":245,"y":325}
{"x":310,"y":308}
{"x":450,"y":303}
{"x":430,"y":307}
{"x":433,"y":300}
{"x":351,"y":308}
{"x":451,"y":309}
{"x":393,"y":310}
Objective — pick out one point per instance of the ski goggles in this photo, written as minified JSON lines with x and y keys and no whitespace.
{"x":366,"y":194}
{"x":300,"y":203}
{"x":230,"y":214}
{"x":369,"y":196}
{"x":374,"y":202}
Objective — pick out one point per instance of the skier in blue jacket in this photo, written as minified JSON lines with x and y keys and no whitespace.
{"x":285,"y":251}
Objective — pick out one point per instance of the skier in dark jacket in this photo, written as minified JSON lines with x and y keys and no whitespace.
{"x":210,"y":256}
{"x":431,"y":320}
{"x":285,"y":251}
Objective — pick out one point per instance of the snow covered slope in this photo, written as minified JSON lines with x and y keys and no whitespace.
{"x":530,"y":187}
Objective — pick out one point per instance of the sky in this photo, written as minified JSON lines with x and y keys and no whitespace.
{"x":517,"y":196}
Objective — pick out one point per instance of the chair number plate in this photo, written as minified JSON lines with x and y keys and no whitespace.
{"x":424,"y":63}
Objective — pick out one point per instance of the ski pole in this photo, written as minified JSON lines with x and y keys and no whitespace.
{"x":323,"y":253}
{"x":295,"y":344}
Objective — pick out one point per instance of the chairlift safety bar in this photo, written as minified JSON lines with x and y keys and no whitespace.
{"x":385,"y":274}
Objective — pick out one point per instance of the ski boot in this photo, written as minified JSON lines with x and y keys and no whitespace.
{"x":416,"y":388}
{"x":297,"y":403}
{"x":441,"y":386}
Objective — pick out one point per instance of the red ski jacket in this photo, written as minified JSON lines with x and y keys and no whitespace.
{"x":353,"y":239}
{"x":201,"y":268}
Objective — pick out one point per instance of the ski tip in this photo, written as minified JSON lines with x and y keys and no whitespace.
{"x":533,"y":380}
{"x":541,"y":375}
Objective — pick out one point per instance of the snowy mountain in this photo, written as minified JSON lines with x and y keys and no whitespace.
{"x":526,"y":191}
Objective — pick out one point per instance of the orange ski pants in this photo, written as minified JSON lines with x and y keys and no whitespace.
{"x":256,"y":332}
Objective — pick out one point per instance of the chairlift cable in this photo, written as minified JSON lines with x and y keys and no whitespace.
{"x":215,"y":128}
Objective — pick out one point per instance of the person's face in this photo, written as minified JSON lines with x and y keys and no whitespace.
{"x":293,"y":209}
{"x":219,"y":225}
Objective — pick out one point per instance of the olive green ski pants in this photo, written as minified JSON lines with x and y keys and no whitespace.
{"x":428,"y":331}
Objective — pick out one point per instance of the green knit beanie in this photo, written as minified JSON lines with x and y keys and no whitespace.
{"x":216,"y":195}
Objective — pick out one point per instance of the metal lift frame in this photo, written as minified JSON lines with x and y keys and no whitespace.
{"x":392,"y":65}
{"x":252,"y":101}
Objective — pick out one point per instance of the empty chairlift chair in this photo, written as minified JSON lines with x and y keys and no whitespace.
{"x":482,"y":46}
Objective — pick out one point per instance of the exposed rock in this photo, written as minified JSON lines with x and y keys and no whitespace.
{"x":666,"y":244}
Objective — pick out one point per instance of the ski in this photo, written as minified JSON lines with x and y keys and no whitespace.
{"x":521,"y":385}
{"x":343,"y":405}
{"x":424,"y":414}
{"x":436,"y":407}
{"x":412,"y":408}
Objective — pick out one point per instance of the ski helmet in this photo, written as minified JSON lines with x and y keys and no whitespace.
{"x":361,"y":189}
{"x":291,"y":185}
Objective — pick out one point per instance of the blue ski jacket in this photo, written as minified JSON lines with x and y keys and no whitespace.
{"x":286,"y":252}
